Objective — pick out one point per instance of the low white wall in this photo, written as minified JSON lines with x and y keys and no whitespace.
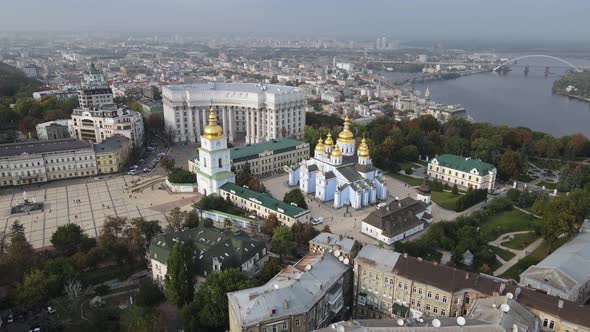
{"x":181,"y":187}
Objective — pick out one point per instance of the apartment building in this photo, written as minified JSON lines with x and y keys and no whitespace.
{"x":464,"y":172}
{"x":303,"y":297}
{"x":112,"y":154}
{"x":42,"y":161}
{"x":337,"y":245}
{"x":96,"y":125}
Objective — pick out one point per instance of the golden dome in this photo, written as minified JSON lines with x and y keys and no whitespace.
{"x":329,"y":141}
{"x":363,"y":151}
{"x":336,"y":152}
{"x":320,"y":146}
{"x":346,"y":136}
{"x":213,"y":130}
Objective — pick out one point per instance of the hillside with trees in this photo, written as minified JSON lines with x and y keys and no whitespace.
{"x":580,"y":83}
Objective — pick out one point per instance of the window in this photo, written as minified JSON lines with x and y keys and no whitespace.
{"x":297,"y":322}
{"x":427,"y":307}
{"x":443,"y":312}
{"x":467,"y":299}
{"x":399,"y":285}
{"x":444,"y":299}
{"x":545,"y":322}
{"x":284,"y":326}
{"x":435,"y":310}
{"x":429,"y":294}
{"x":551,"y":324}
{"x":436,"y":297}
{"x":419,"y":291}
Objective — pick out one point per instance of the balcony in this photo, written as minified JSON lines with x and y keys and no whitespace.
{"x":335,"y":294}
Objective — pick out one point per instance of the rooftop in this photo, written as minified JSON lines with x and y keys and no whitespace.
{"x":447,"y":324}
{"x":265,"y":200}
{"x":112,"y":143}
{"x":397,"y":217}
{"x":463,"y":164}
{"x":32,"y":147}
{"x":233,"y":87}
{"x":345,"y":244}
{"x":251,"y":151}
{"x":296,"y":289}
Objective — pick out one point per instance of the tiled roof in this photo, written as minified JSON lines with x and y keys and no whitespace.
{"x":32,"y":147}
{"x":398,"y":217}
{"x":251,"y":151}
{"x":463,"y":164}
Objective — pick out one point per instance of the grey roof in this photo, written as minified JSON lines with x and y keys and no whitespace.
{"x":380,"y":258}
{"x":567,"y":267}
{"x":448,"y":324}
{"x":328,"y":239}
{"x":233,"y":87}
{"x":330,"y":175}
{"x":295,"y":290}
{"x":32,"y":147}
{"x":231,"y":249}
{"x":488,"y":309}
{"x":112,"y":143}
{"x":312,"y":168}
{"x":364,"y":168}
{"x":349,"y":173}
{"x":398,"y":217}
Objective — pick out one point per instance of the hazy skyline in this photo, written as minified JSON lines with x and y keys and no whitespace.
{"x":417,"y":19}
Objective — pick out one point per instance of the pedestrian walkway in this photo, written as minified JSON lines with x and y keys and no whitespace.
{"x":518,"y":254}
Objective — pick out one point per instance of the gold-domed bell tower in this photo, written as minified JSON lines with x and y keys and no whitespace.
{"x":345,"y":141}
{"x":329,"y":143}
{"x":363,"y":153}
{"x":214,"y":166}
{"x":319,"y":152}
{"x":336,"y":156}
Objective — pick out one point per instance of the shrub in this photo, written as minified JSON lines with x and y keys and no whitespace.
{"x":408,"y":171}
{"x":471,"y":198}
{"x":179,"y":175}
{"x":513,"y":195}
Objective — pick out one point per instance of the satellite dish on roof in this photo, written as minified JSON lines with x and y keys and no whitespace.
{"x":505,"y":307}
{"x":276,"y":286}
{"x":400,"y":322}
{"x":307,"y":267}
{"x":436,"y":322}
{"x":337,"y":253}
{"x":341,"y":258}
{"x":346,"y":261}
{"x":509,"y":296}
{"x":460,"y":321}
{"x":340,"y":328}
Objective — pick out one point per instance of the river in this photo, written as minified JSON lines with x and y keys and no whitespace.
{"x":514,"y":99}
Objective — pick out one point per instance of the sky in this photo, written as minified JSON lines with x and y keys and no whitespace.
{"x":400,"y":19}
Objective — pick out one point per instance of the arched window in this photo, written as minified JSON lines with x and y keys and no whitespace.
{"x":220,"y":163}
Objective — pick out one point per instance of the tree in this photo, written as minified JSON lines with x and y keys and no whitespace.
{"x":149,"y":294}
{"x":209,"y":310}
{"x":303,"y":233}
{"x":511,"y":165}
{"x":176,"y":219}
{"x":570,"y":178}
{"x":270,"y":224}
{"x":563,"y":214}
{"x":282,"y":241}
{"x":179,"y":175}
{"x":208,"y":222}
{"x":326,"y":229}
{"x":227,"y":223}
{"x":168,"y":163}
{"x":69,"y":239}
{"x":179,"y":282}
{"x":74,"y":291}
{"x":269,"y":270}
{"x":147,"y":228}
{"x":191,"y":220}
{"x":112,"y":238}
{"x":20,"y":253}
{"x":295,"y":196}
{"x":455,"y":190}
{"x":37,"y":288}
{"x":137,"y":318}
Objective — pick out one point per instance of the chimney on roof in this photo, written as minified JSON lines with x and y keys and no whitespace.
{"x":560,"y":304}
{"x":285,"y":304}
{"x":502,"y":288}
{"x":466,"y":275}
{"x":516,"y":293}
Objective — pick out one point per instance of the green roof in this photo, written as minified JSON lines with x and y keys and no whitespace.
{"x":230,"y":248}
{"x":265,"y":200}
{"x":463,"y":164}
{"x":251,"y":151}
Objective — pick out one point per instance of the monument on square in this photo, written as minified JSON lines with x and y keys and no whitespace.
{"x":26,"y":205}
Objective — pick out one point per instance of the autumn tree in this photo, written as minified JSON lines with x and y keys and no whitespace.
{"x":176,"y":219}
{"x":271,"y":222}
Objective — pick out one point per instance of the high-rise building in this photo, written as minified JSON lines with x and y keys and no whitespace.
{"x":99,"y":124}
{"x":95,"y":91}
{"x":248,"y":112}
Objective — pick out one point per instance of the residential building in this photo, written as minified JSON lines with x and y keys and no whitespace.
{"x":335,"y":174}
{"x":217,"y":250}
{"x":59,"y":94}
{"x":213,"y":166}
{"x":425,"y":324}
{"x":397,"y":220}
{"x":96,"y":125}
{"x":251,"y":112}
{"x":268,"y":158}
{"x":95,"y":92}
{"x":565,"y":272}
{"x":337,"y":245}
{"x":262,"y":205}
{"x":112,"y":154}
{"x":464,"y":172}
{"x":302,"y":297}
{"x":42,"y":161}
{"x":151,"y":108}
{"x":31,"y":71}
{"x":446,"y":112}
{"x":389,"y":284}
{"x":51,"y":130}
{"x":505,"y":312}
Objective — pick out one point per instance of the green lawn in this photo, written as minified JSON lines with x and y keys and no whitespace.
{"x":407,"y":179}
{"x":548,"y":185}
{"x":405,"y":164}
{"x":506,"y":222}
{"x":503,"y":253}
{"x":526,"y":178}
{"x":521,"y":241}
{"x":445,"y":199}
{"x":535,"y":257}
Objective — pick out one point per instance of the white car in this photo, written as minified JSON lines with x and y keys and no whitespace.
{"x":317,"y":221}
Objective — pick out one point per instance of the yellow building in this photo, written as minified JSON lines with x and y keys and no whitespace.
{"x":112,"y":154}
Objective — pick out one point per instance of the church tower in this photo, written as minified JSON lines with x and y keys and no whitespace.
{"x":214,"y":166}
{"x":319,"y":150}
{"x":345,"y":141}
{"x":329,"y":144}
{"x":363,"y":153}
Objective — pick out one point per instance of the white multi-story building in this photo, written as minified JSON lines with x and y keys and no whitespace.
{"x":95,"y":92}
{"x":463,"y":172}
{"x":42,"y":161}
{"x":99,"y":124}
{"x":247,"y":111}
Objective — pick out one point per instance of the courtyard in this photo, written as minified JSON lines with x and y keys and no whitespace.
{"x":87,"y":202}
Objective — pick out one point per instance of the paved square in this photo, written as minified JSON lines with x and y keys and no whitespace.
{"x":87,"y":202}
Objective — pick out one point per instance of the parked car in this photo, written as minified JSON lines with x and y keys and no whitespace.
{"x":317,"y":221}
